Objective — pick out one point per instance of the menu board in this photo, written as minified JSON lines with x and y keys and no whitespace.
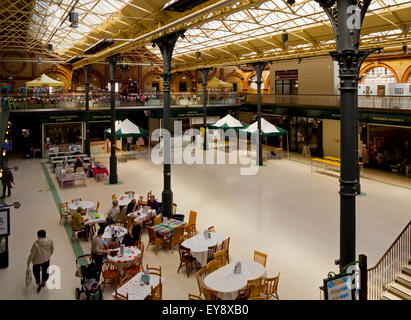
{"x":338,"y":288}
{"x":4,"y":222}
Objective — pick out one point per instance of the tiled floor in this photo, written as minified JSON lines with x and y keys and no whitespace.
{"x":284,"y":211}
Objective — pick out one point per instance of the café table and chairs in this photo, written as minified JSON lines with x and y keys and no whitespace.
{"x":124,"y":199}
{"x":125,"y":260}
{"x":113,"y":231}
{"x":199,"y":245}
{"x":228,"y":283}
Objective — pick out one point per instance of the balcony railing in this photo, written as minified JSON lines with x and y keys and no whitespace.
{"x":379,"y":102}
{"x":76,"y":101}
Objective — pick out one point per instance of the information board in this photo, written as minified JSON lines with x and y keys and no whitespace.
{"x":4,"y":222}
{"x":338,"y":288}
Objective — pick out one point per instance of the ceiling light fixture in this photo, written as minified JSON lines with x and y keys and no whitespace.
{"x":73,"y":18}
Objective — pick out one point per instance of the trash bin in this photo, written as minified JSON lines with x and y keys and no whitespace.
{"x":179,"y":217}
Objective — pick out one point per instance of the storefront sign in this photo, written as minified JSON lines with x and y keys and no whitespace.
{"x":4,"y":222}
{"x":64,"y":118}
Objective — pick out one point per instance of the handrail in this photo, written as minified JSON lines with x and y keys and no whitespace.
{"x":390,"y":265}
{"x":388,"y":250}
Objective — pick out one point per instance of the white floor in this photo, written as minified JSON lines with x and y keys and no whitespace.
{"x":284,"y":211}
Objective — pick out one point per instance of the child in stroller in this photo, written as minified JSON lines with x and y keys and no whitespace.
{"x":90,"y":278}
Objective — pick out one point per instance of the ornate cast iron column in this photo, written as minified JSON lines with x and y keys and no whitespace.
{"x":346,"y":18}
{"x":87,"y":88}
{"x":166,"y":45}
{"x":204,"y":73}
{"x":113,"y":178}
{"x":259,"y":68}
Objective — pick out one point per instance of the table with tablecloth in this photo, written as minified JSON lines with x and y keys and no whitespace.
{"x":141,"y":216}
{"x":121,"y":232}
{"x":125,"y":261}
{"x":88,"y":205}
{"x":166,"y":229}
{"x":135,"y":290}
{"x":228,"y":284}
{"x":99,"y":169}
{"x":124,"y":199}
{"x":199,"y":245}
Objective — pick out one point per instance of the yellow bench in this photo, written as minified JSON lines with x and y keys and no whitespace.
{"x":327,"y":164}
{"x":361,"y":164}
{"x":269,"y":148}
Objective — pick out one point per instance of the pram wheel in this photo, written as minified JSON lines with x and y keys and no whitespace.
{"x":78,"y":293}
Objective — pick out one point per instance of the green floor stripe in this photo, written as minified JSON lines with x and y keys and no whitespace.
{"x":78,"y":250}
{"x":391,"y":184}
{"x":107,"y":183}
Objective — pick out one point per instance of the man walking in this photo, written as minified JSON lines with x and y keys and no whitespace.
{"x":40,"y":254}
{"x":7,"y":181}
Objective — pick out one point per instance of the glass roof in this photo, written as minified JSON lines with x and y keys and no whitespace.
{"x":49,"y":27}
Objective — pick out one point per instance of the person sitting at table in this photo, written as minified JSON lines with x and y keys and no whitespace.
{"x":113,"y":213}
{"x":133,"y":233}
{"x":78,"y":222}
{"x":78,"y":163}
{"x":131,"y":207}
{"x":153,"y":204}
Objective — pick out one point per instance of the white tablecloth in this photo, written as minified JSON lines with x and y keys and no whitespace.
{"x":199,"y":245}
{"x":140,"y":216}
{"x":227,"y":283}
{"x":124,"y":199}
{"x":135,"y":290}
{"x":84,"y":204}
{"x":120,"y":234}
{"x":125,"y":261}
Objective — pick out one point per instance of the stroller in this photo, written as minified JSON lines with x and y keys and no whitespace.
{"x":90,"y":278}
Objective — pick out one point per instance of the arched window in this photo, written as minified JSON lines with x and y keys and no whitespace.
{"x":378,"y":75}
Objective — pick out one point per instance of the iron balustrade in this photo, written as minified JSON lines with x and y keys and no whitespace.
{"x":390,"y":265}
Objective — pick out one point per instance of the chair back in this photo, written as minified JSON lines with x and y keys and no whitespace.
{"x":125,"y":279}
{"x":212,"y":266}
{"x":118,"y":296}
{"x":154,"y":271}
{"x":149,"y":195}
{"x":110,"y":269}
{"x":137,"y":264}
{"x":178,"y":232}
{"x":97,"y":206}
{"x":157,"y":220}
{"x":255,"y":286}
{"x":256,"y":298}
{"x":244,"y":294}
{"x":140,"y":245}
{"x":221,"y":256}
{"x":191,"y":230}
{"x":174,"y":208}
{"x":200,"y":276}
{"x":157,"y":291}
{"x":63,"y":207}
{"x":260,"y":257}
{"x":211,"y":229}
{"x":184,"y":237}
{"x":113,"y":196}
{"x":185,"y":253}
{"x":151,"y":235}
{"x":209,"y":294}
{"x":193,"y":217}
{"x":225,"y":245}
{"x":211,"y":251}
{"x":271,"y":284}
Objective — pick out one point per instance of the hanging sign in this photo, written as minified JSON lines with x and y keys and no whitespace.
{"x":338,"y":288}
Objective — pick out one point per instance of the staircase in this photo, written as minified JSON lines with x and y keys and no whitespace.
{"x":400,"y":289}
{"x":390,"y":278}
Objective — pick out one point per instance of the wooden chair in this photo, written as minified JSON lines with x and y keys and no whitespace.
{"x":213,"y":266}
{"x":110,"y":271}
{"x":140,"y":245}
{"x":270,"y":287}
{"x":194,"y":297}
{"x":154,"y":239}
{"x":256,"y":298}
{"x":200,"y":276}
{"x":225,"y":245}
{"x":149,"y":222}
{"x":174,"y":208}
{"x":211,"y":229}
{"x":97,"y":206}
{"x":221,"y":256}
{"x":136,"y":266}
{"x":118,"y":296}
{"x":64,"y":214}
{"x":211,"y":251}
{"x":154,"y":271}
{"x":113,"y":197}
{"x":142,"y":202}
{"x":244,"y":294}
{"x":209,"y":294}
{"x":255,"y":286}
{"x":156,"y":220}
{"x":175,"y":238}
{"x":125,"y":279}
{"x":149,"y":195}
{"x":184,"y":237}
{"x":73,"y":231}
{"x":186,"y":259}
{"x":191,"y":231}
{"x":192,"y":219}
{"x":260,"y":257}
{"x":157,"y":292}
{"x":121,"y":218}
